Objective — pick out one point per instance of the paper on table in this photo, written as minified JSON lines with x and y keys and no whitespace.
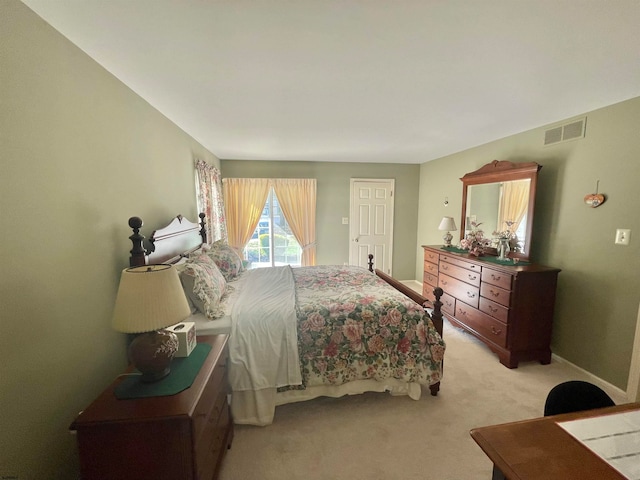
{"x":615,"y":438}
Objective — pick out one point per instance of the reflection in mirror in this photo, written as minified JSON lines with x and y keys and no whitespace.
{"x":501,"y":208}
{"x":500,"y":197}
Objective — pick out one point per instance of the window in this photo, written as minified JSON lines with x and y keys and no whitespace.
{"x":272,"y":243}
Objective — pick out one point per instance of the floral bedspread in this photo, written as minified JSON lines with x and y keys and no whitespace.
{"x":352,"y":325}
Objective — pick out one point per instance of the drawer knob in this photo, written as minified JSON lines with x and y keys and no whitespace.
{"x":496,"y":278}
{"x":492,"y":309}
{"x":444,"y":266}
{"x":471,"y":295}
{"x":496,"y":331}
{"x":495,"y":294}
{"x":472,"y":277}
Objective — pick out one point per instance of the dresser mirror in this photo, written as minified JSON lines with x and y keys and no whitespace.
{"x":501,"y":197}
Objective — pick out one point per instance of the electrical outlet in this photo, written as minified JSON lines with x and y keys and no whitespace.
{"x":345,"y":220}
{"x":622,"y":236}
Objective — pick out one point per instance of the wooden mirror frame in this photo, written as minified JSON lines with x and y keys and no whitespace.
{"x":503,"y":171}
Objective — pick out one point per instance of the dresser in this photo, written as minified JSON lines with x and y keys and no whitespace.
{"x":182,"y":436}
{"x":509,"y":307}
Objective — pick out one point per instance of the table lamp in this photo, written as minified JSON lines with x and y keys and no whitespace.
{"x":447,"y":224}
{"x":149,"y":299}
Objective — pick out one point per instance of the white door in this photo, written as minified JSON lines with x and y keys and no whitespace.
{"x":371,"y":222}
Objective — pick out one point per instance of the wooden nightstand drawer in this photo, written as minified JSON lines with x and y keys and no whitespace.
{"x":213,"y":434}
{"x":204,"y":407}
{"x":167,"y":437}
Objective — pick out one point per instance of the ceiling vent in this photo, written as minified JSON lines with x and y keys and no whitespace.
{"x":563,"y":133}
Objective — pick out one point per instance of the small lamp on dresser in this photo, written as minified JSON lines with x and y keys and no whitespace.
{"x":150,"y":298}
{"x":447,"y":224}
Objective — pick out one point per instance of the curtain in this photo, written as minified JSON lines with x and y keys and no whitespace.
{"x":297,"y":199}
{"x":210,"y":201}
{"x":244,"y":200}
{"x":515,"y":200}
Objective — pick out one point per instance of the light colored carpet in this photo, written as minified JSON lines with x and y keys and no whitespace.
{"x":377,"y":436}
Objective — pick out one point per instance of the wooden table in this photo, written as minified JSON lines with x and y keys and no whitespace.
{"x":539,"y":449}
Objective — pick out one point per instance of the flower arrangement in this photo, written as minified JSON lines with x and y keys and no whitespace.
{"x":508,"y":235}
{"x":475,"y":240}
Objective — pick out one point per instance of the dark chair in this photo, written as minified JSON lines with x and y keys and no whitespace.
{"x":575,"y":396}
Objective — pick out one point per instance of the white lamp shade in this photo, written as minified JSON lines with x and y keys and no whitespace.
{"x":447,"y":224}
{"x":149,"y":298}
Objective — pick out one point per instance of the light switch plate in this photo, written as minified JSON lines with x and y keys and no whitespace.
{"x":622,"y":236}
{"x":345,"y":220}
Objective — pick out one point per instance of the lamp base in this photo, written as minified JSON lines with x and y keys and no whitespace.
{"x":447,"y":239}
{"x":151,"y":353}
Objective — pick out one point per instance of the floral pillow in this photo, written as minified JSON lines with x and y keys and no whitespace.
{"x":204,"y":284}
{"x":227,"y":260}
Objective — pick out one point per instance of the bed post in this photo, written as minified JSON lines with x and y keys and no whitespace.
{"x":138,"y":254}
{"x":436,"y":318}
{"x":371,"y":262}
{"x":203,"y":227}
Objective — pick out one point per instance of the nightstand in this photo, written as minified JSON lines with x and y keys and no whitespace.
{"x":176,"y":437}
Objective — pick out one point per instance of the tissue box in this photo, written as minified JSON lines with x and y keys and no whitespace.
{"x":186,"y":333}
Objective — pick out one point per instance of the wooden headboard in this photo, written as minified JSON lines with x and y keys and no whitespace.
{"x":167,"y":244}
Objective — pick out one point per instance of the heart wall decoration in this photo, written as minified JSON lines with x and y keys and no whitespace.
{"x":594,"y":199}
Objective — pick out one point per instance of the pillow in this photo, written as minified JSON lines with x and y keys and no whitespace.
{"x":227,"y":260}
{"x":180,"y":268}
{"x":204,"y":285}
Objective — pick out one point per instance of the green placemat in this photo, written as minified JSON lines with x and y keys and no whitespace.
{"x":487,"y":258}
{"x":183,"y":372}
{"x":454,"y":249}
{"x":492,"y":259}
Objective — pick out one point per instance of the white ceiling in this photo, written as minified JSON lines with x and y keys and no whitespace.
{"x":403,"y":81}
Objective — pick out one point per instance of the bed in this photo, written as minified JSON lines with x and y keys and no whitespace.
{"x":304,"y":332}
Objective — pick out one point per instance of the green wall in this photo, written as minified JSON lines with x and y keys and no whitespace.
{"x":333,"y":184}
{"x":599,"y":286}
{"x":81,"y":153}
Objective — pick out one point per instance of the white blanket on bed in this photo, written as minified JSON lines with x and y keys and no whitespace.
{"x":263,"y":345}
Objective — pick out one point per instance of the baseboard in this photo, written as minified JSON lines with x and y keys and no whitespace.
{"x":618,"y":395}
{"x":414,"y":284}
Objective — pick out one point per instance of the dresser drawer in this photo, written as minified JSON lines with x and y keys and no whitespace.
{"x":494,"y":309}
{"x":499,"y":279}
{"x":487,"y":326}
{"x":459,"y":289}
{"x":448,"y":304}
{"x":430,"y":279}
{"x":431,"y":268}
{"x":460,"y":263}
{"x":496,"y":294}
{"x":432,"y":257}
{"x":460,"y":273}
